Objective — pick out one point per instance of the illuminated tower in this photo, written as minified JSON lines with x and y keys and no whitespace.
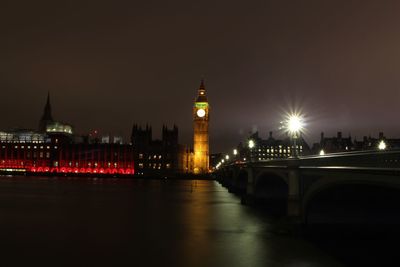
{"x":200,"y":128}
{"x":46,"y":117}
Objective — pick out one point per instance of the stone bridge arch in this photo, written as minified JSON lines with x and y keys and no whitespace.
{"x":352,"y":199}
{"x":271,"y":189}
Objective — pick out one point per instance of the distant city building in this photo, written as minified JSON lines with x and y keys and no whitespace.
{"x":334,"y":144}
{"x":165,"y":156}
{"x":257,"y":149}
{"x":55,"y":150}
{"x":201,"y":117}
{"x":22,"y":136}
{"x":108,"y":139}
{"x":71,"y":159}
{"x":340,"y":144}
{"x":59,"y":132}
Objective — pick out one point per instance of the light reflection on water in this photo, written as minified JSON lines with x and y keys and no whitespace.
{"x":99,"y":222}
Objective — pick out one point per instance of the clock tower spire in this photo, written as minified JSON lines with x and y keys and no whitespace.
{"x":200,"y":128}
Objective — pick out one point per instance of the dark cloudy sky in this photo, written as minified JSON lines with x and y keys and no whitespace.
{"x":109,"y":64}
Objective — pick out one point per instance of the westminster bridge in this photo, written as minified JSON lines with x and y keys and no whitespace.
{"x":336,"y":187}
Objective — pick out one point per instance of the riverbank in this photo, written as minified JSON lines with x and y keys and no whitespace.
{"x":152,"y":176}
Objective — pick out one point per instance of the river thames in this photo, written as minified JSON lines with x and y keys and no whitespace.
{"x":111,"y":222}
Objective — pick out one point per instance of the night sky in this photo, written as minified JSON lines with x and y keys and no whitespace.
{"x":109,"y":64}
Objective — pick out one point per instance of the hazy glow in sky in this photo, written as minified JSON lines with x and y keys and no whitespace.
{"x":109,"y":64}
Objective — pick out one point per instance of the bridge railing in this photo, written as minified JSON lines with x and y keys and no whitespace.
{"x":371,"y":158}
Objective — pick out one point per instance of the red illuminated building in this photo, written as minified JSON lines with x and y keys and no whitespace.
{"x":53,"y":151}
{"x":67,"y":159}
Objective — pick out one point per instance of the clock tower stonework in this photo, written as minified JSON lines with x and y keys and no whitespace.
{"x":200,"y":128}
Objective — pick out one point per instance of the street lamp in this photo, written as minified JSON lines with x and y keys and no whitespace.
{"x":227,"y":157}
{"x":294,"y":125}
{"x":235,"y":152}
{"x":252,"y":144}
{"x":382,"y":145}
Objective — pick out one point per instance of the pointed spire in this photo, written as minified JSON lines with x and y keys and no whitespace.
{"x":201,"y":96}
{"x":47,"y":109}
{"x":46,"y":117}
{"x":48,"y":99}
{"x":202,"y":87}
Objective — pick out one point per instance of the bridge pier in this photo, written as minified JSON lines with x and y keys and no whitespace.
{"x":294,"y":208}
{"x":248,"y":196}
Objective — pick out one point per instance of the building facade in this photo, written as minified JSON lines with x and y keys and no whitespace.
{"x":256,"y":148}
{"x":53,"y":150}
{"x":66,"y":159}
{"x":338,"y":144}
{"x":154,"y":157}
{"x":201,"y":118}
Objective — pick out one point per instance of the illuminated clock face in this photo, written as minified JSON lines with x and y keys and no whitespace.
{"x":201,"y":113}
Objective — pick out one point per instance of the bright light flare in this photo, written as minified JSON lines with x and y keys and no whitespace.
{"x":294,"y":123}
{"x":227,"y":157}
{"x":322,"y":152}
{"x":235,"y":152}
{"x":382,"y":145}
{"x":252,"y":144}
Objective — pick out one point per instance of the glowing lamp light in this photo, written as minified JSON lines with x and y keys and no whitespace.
{"x":227,"y":157}
{"x":382,"y":145}
{"x":235,"y":152}
{"x":294,"y":124}
{"x":251,"y":144}
{"x":222,"y":160}
{"x":322,"y":152}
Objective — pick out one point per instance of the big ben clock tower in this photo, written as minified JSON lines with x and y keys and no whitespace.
{"x":200,"y":128}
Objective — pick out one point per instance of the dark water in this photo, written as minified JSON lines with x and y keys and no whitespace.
{"x":89,"y":222}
